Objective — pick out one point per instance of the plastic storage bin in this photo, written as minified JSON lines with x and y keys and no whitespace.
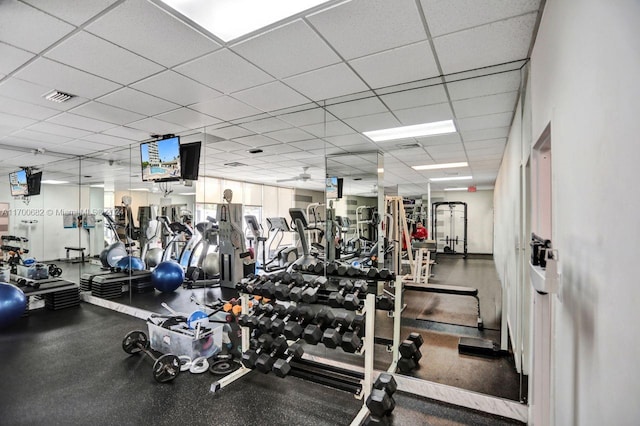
{"x":37,"y":271}
{"x":177,"y":343}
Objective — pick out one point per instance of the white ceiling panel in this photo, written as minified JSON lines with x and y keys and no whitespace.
{"x":230,"y":132}
{"x":350,"y":140}
{"x":445,"y":16}
{"x":416,"y":97}
{"x":363,"y":27}
{"x":57,"y":129}
{"x":33,"y":94}
{"x":407,"y":63}
{"x":357,"y":108}
{"x":290,"y":135}
{"x":256,"y":141}
{"x":76,"y":12}
{"x":425,"y":114}
{"x":439,"y":139}
{"x":46,"y":72}
{"x":14,"y":122}
{"x":483,"y":105}
{"x":310,"y":144}
{"x":128,"y":133}
{"x":79,"y":122}
{"x":96,"y":56}
{"x":136,"y":101}
{"x":464,"y":50}
{"x":224,"y":71}
{"x":485,"y":121}
{"x":12,"y":57}
{"x":287,"y":50}
{"x":47,"y":138}
{"x":28,"y":28}
{"x":145,"y":29}
{"x":373,"y":122}
{"x":271,"y":96}
{"x":83,"y":146}
{"x":331,"y":128}
{"x":23,"y":109}
{"x":187,"y":118}
{"x":176,"y":88}
{"x":107,"y":140}
{"x":335,"y":80}
{"x":156,"y":127}
{"x":309,"y":116}
{"x":282,"y":148}
{"x":228,"y":146}
{"x":483,"y":86}
{"x":456,"y":148}
{"x":266,"y":125}
{"x":476,"y":135}
{"x":106,"y":113}
{"x":225,"y":108}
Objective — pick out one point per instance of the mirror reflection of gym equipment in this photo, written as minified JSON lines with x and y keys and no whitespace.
{"x":449,"y":224}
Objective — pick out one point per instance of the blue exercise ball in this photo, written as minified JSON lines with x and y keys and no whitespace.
{"x":130,"y":263}
{"x":167,"y":276}
{"x":13,"y":303}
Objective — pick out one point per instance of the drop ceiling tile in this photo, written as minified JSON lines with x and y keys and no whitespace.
{"x":81,"y":147}
{"x":224,"y":71}
{"x":256,"y":141}
{"x":331,"y":128}
{"x":290,"y":135}
{"x":97,"y":56}
{"x":229,"y":146}
{"x":426,"y":114}
{"x":301,"y":118}
{"x":485,"y":122}
{"x":287,"y":50}
{"x":357,"y":108}
{"x":23,"y":109}
{"x":231,"y":132}
{"x":373,"y":122}
{"x":187,"y":118}
{"x":407,"y":63}
{"x":145,"y":29}
{"x":136,"y":101}
{"x":332,"y":81}
{"x":347,"y":141}
{"x":25,"y":91}
{"x":483,"y":86}
{"x":56,"y":129}
{"x":446,"y":16}
{"x":476,"y":135}
{"x":157,"y":127}
{"x":271,"y":97}
{"x":439,"y":139}
{"x":357,"y":148}
{"x":225,"y":108}
{"x":266,"y":125}
{"x":415,"y":97}
{"x":46,"y":72}
{"x":46,"y":138}
{"x":107,"y":139}
{"x":80,"y":122}
{"x":73,"y":12}
{"x":281,"y":148}
{"x":176,"y":88}
{"x":14,"y":122}
{"x":128,"y":133}
{"x":362,"y":27}
{"x":311,"y":144}
{"x":106,"y":113}
{"x":483,"y":105}
{"x":28,"y":28}
{"x":12,"y":57}
{"x":465,"y":50}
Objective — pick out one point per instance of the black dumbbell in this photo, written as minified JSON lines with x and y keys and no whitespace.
{"x":165,"y":367}
{"x":410,"y":354}
{"x":310,"y":294}
{"x":250,"y":357}
{"x":318,"y":268}
{"x":312,"y":333}
{"x":283,"y":289}
{"x":293,"y":329}
{"x":248,"y":284}
{"x":331,"y":337}
{"x":351,"y":300}
{"x":385,"y":303}
{"x":336,"y":299}
{"x":342,"y":270}
{"x":351,"y":341}
{"x":251,"y":321}
{"x":352,"y":271}
{"x":298,"y":294}
{"x":265,"y":361}
{"x":331,"y":268}
{"x":278,"y":324}
{"x":380,"y":402}
{"x":372,"y":273}
{"x":264,"y":323}
{"x":385,"y":274}
{"x":282,"y":367}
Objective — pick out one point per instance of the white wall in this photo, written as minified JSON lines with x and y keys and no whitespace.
{"x":584,"y":82}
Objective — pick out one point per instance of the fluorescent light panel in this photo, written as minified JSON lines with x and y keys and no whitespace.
{"x":451,"y":178}
{"x":440,"y":166}
{"x":461,"y":188}
{"x":417,"y":130}
{"x":230,"y":19}
{"x":54,"y":182}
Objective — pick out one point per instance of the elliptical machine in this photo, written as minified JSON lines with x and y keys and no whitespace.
{"x":115,"y":251}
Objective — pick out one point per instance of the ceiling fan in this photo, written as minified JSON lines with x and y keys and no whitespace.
{"x":304,"y":176}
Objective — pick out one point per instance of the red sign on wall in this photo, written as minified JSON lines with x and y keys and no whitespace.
{"x":471,"y":189}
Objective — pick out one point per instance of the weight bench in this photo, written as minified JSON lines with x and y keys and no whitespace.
{"x":80,"y":249}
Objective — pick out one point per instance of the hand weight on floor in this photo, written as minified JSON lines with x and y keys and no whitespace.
{"x":165,"y":367}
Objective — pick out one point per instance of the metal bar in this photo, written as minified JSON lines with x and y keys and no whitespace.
{"x":397,"y":319}
{"x":227,"y":380}
{"x":361,"y":416}
{"x":244,"y":302}
{"x":369,"y":339}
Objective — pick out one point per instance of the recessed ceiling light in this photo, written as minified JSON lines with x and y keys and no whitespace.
{"x":380,"y":170}
{"x":139,"y":189}
{"x":440,"y":166}
{"x":54,"y":182}
{"x":230,"y":19}
{"x":418,"y":130}
{"x":234,"y":164}
{"x":97,"y":185}
{"x":187,"y":193}
{"x":460,"y":188}
{"x":451,"y":178}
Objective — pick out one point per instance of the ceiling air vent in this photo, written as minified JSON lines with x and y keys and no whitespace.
{"x":58,"y":97}
{"x":234,"y":164}
{"x":410,"y":145}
